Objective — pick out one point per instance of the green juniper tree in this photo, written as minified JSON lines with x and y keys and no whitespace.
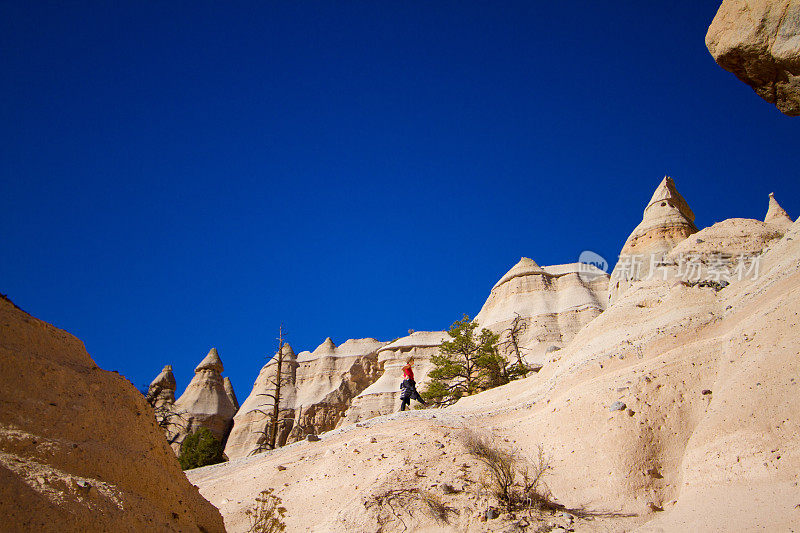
{"x":468,"y":363}
{"x":201,"y":448}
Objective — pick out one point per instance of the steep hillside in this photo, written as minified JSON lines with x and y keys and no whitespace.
{"x":79,"y":447}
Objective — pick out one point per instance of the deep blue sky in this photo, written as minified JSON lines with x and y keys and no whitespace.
{"x":181,"y":175}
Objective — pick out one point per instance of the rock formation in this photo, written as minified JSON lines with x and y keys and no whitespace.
{"x":251,"y":424}
{"x":316,"y":389}
{"x":383,"y":396}
{"x":553,"y":304}
{"x":161,"y":392}
{"x":229,"y":391}
{"x":205,"y":402}
{"x":759,"y":42}
{"x":667,"y":221}
{"x":676,"y":408}
{"x":79,"y":446}
{"x":776,"y":215}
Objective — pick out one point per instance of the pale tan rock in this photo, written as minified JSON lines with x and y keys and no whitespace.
{"x":79,"y":447}
{"x":316,"y":390}
{"x":383,"y":396}
{"x":726,"y":240}
{"x":251,"y":424}
{"x":226,"y":382}
{"x":205,"y":402}
{"x":776,"y":215}
{"x":709,"y":433}
{"x":554,"y":303}
{"x":667,"y":220}
{"x":759,"y":42}
{"x":161,"y":392}
{"x":210,"y":362}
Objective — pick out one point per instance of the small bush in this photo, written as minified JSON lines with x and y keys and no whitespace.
{"x":201,"y":448}
{"x":267,"y":514}
{"x":395,"y":504}
{"x":516,"y":483}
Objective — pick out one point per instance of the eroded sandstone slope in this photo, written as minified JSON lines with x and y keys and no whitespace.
{"x":79,"y":447}
{"x":674,"y":410}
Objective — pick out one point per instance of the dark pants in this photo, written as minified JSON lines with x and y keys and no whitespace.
{"x":409,"y":389}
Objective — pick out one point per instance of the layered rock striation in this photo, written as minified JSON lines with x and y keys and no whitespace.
{"x":667,"y":220}
{"x":759,"y":42}
{"x":383,"y":396}
{"x":79,"y":446}
{"x":553,"y":303}
{"x":316,"y":390}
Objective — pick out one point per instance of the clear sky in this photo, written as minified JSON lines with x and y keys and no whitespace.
{"x":182,"y":175}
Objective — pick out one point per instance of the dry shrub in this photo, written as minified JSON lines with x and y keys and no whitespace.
{"x":436,"y":508}
{"x":516,"y":483}
{"x":267,"y":514}
{"x":395,"y":504}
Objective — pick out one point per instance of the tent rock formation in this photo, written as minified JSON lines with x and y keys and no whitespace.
{"x":667,"y":220}
{"x":316,"y":389}
{"x":161,"y":392}
{"x":205,"y":402}
{"x":776,"y":215}
{"x":553,"y":303}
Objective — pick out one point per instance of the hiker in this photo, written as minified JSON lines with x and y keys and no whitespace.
{"x":409,"y":386}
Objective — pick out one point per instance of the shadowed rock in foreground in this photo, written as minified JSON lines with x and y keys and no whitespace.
{"x":79,"y":446}
{"x":759,"y":42}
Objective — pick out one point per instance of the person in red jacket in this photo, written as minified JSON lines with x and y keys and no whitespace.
{"x":408,"y":387}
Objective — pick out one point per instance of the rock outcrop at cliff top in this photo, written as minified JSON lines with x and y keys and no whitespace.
{"x":316,"y":389}
{"x":553,"y":303}
{"x":759,"y":42}
{"x":205,"y":402}
{"x":383,"y":396}
{"x":79,"y":447}
{"x":161,"y":392}
{"x":667,"y":220}
{"x":776,"y":215}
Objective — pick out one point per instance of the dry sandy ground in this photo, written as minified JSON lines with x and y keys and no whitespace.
{"x":708,"y":440}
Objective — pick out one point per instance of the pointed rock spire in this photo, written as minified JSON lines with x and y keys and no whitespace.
{"x":162,"y":389}
{"x":229,"y":391}
{"x":667,"y":220}
{"x":327,"y":346}
{"x":288,"y":352}
{"x":776,"y":215}
{"x":668,"y":192}
{"x":525,"y":267}
{"x":210,"y":362}
{"x":205,"y":402}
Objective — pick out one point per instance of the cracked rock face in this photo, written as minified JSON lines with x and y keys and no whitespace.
{"x":759,"y":42}
{"x":383,"y":395}
{"x":316,"y":390}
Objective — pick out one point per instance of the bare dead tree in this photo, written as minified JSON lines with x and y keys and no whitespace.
{"x":170,"y":421}
{"x":270,"y":432}
{"x":512,"y":334}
